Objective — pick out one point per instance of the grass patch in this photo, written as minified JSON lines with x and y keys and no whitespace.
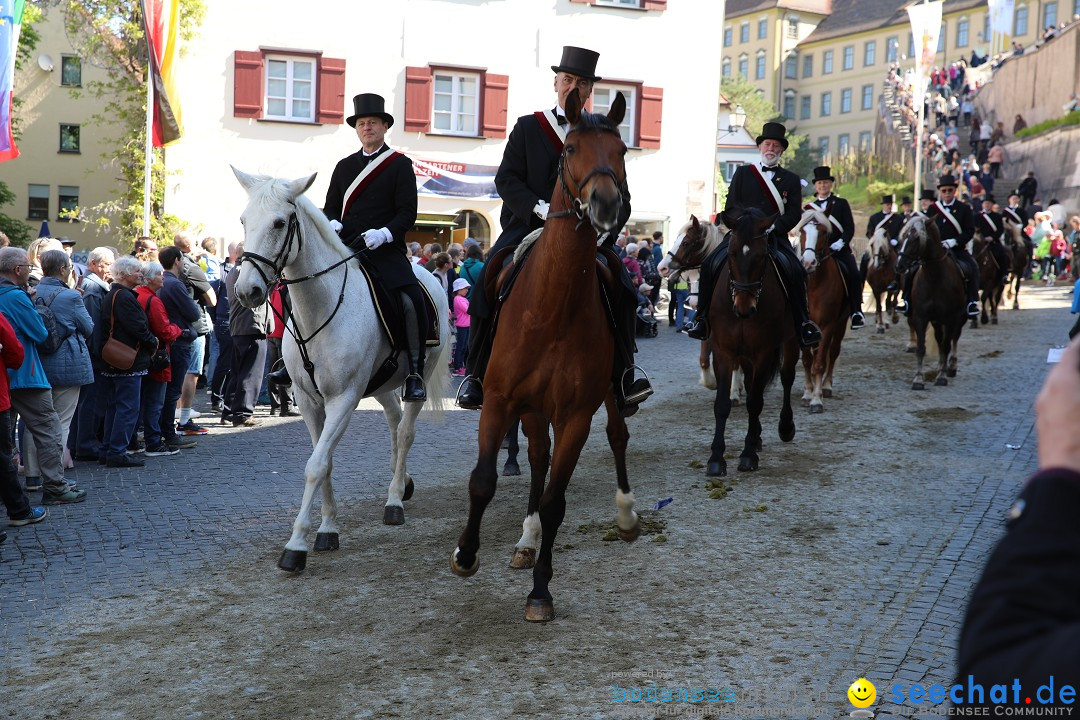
{"x":1072,"y":118}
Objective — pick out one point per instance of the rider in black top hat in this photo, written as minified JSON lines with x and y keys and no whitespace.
{"x":991,"y":226}
{"x":772,"y":189}
{"x":839,"y":213}
{"x":891,"y":223}
{"x":526,"y":181}
{"x":371,"y":201}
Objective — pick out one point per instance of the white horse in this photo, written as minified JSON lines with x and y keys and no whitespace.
{"x":285,"y":234}
{"x":692,"y":275}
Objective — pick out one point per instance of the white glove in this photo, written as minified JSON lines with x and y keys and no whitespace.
{"x":375,"y":238}
{"x":950,"y":243}
{"x":335,"y":225}
{"x":893,"y":243}
{"x":541,"y":209}
{"x":837,"y":246}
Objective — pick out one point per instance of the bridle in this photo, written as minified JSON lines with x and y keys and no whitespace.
{"x":575,"y":206}
{"x":755,"y":287}
{"x":277,"y":266}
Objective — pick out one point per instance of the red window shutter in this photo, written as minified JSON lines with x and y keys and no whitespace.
{"x":331,"y":106}
{"x":495,"y":101}
{"x":655,"y":4}
{"x":247,"y":84}
{"x":652,"y":100}
{"x":418,"y":99}
{"x":584,"y":2}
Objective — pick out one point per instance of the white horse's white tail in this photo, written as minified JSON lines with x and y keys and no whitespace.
{"x":438,"y":385}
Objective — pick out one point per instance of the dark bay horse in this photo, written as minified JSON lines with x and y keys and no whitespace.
{"x":938,"y":296}
{"x":880,"y":274}
{"x":991,"y":275}
{"x":552,"y":358}
{"x":1020,"y":259}
{"x":829,"y":306}
{"x":752,"y":330}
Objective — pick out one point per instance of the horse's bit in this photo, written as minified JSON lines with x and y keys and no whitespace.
{"x":748,"y":287}
{"x":576,"y":207}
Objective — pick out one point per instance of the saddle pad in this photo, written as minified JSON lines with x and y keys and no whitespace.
{"x":392,"y":316}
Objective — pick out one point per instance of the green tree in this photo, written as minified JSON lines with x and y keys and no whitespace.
{"x":109,"y":34}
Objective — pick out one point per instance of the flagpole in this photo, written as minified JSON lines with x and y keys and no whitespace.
{"x":919,"y":125}
{"x":149,"y":160}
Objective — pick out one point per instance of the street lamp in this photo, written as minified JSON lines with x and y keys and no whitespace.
{"x":738,"y":118}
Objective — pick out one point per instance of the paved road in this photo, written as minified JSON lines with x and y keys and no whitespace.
{"x":893,"y":555}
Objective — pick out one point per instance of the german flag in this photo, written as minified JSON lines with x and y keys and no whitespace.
{"x":162,"y":25}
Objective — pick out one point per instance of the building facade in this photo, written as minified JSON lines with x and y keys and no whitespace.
{"x":271,"y":98}
{"x":64,"y":157}
{"x":828,"y":83}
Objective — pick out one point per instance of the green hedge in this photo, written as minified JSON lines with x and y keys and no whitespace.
{"x":1072,"y":118}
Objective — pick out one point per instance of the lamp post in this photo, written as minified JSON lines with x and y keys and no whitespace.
{"x":737,"y":119}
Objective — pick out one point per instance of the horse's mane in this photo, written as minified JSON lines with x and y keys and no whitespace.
{"x":594,"y":121}
{"x":879,"y":238}
{"x":815,"y":215}
{"x":272,"y":192}
{"x":712,"y":233}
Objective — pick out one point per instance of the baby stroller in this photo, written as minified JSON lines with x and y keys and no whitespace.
{"x":646,"y":324}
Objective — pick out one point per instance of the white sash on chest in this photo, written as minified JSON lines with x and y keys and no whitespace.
{"x":989,"y":221}
{"x":833,"y":220}
{"x":379,"y":160}
{"x":884,"y":220}
{"x":770,"y":187}
{"x":949,"y":216}
{"x":554,"y":123}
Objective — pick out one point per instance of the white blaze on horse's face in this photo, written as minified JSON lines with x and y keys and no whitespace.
{"x":809,"y":258}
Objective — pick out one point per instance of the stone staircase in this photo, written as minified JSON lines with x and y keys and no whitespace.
{"x":896,"y":118}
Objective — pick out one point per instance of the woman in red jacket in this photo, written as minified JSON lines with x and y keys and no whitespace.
{"x":11,"y":492}
{"x":153,"y":386}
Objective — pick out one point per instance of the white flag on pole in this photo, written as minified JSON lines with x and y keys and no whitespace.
{"x":925,"y":28}
{"x":1001,"y":16}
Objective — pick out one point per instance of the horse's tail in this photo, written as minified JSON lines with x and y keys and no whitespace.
{"x":437,"y":366}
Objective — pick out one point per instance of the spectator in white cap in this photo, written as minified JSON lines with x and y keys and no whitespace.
{"x":460,"y":309}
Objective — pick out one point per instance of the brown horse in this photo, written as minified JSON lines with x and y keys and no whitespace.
{"x":829,"y":306}
{"x":1021,"y":259}
{"x":990,"y":277}
{"x":938,"y":296}
{"x":880,"y":274}
{"x":752,"y":330}
{"x":553,"y":354}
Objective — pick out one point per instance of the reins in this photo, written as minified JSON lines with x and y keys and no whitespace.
{"x":576,"y":207}
{"x":755,"y":287}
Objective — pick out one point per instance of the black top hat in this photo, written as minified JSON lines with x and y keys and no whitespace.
{"x":773,"y":131}
{"x":823,"y":172}
{"x":928,"y":194}
{"x":886,"y":200}
{"x":369,"y":105}
{"x":947,"y":181}
{"x":66,"y":241}
{"x":905,"y":200}
{"x":988,"y":198}
{"x":578,"y":61}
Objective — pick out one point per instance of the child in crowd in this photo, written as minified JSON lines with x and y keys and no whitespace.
{"x":461,"y":322}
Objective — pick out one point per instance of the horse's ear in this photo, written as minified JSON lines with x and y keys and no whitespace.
{"x":299,"y":186}
{"x":246,"y":181}
{"x":695,"y":224}
{"x":618,"y":109}
{"x":573,"y":107}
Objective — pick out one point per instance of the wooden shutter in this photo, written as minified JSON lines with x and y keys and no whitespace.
{"x":655,"y":4}
{"x":418,"y":82}
{"x":331,"y":105}
{"x":247,"y":84}
{"x":495,"y":102}
{"x":652,"y":100}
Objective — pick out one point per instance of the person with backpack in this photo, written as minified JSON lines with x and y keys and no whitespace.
{"x":470,"y":270}
{"x":66,"y":361}
{"x":31,"y":394}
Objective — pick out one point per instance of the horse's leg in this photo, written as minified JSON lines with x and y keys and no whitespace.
{"x":717,"y":466}
{"x":511,"y":467}
{"x":879,"y":314}
{"x":918,"y":332}
{"x":494,"y":421}
{"x":808,"y":375}
{"x":817,"y":371}
{"x":755,"y":401}
{"x":1016,"y":293}
{"x":569,"y":439}
{"x":913,"y":337}
{"x":944,"y":342}
{"x":536,"y":430}
{"x":830,"y":359}
{"x":335,"y":417}
{"x":627,"y":525}
{"x":787,"y":379}
{"x":708,"y":378}
{"x":891,"y":309}
{"x":736,"y":387}
{"x":404,"y":422}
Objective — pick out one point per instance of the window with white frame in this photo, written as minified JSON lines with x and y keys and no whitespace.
{"x":725,"y":67}
{"x":823,"y":147}
{"x":1050,"y":14}
{"x":744,"y":31}
{"x":845,"y":100}
{"x":604,"y":95}
{"x":864,"y":141}
{"x":71,"y":70}
{"x":941,"y":37}
{"x":38,"y":202}
{"x":849,"y":58}
{"x":910,"y":45}
{"x":963,"y":28}
{"x":290,"y":88}
{"x":744,"y":66}
{"x":826,"y":62}
{"x":454,"y":103}
{"x":727,"y":36}
{"x":807,"y":66}
{"x":870,"y":53}
{"x":69,"y":202}
{"x":986,"y":27}
{"x":791,"y":66}
{"x":793,"y":27}
{"x":804,"y":107}
{"x":892,"y":49}
{"x":843,"y":144}
{"x":867,"y":97}
{"x":759,"y":65}
{"x":826,"y":103}
{"x":1020,"y":27}
{"x":789,"y":104}
{"x":762,"y":28}
{"x":728,"y":169}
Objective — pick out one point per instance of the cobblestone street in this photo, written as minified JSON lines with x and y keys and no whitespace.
{"x":850,"y":553}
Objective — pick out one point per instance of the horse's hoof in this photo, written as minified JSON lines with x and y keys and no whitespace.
{"x":758,"y":445}
{"x":326,"y":541}
{"x":951,"y":372}
{"x":985,"y":320}
{"x":393,"y":515}
{"x":917,"y":386}
{"x":409,"y":487}
{"x":505,"y":443}
{"x":292,"y":560}
{"x":747,"y":463}
{"x":816,"y":408}
{"x":716,"y":469}
{"x":522,"y":559}
{"x":880,"y":331}
{"x":941,"y":381}
{"x":993,"y":321}
{"x":787,"y":434}
{"x":511,"y":469}
{"x":1016,"y":306}
{"x":734,"y":402}
{"x":539,"y":610}
{"x":463,"y":571}
{"x":629,"y":535}
{"x":909,"y":349}
{"x":826,"y":392}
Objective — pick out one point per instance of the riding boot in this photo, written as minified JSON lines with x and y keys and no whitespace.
{"x":864,"y":265}
{"x":855,"y":282}
{"x":630,"y":392}
{"x":414,"y":390}
{"x":698,"y":328}
{"x":972,"y":278}
{"x":806,"y":330}
{"x":905,"y":306}
{"x":471,"y":392}
{"x":280,"y":377}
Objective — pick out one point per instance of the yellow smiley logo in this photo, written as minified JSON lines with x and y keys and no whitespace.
{"x":862,"y":693}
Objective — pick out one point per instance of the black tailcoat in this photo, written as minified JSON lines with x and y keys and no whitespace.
{"x":746,"y":192}
{"x":388,"y":201}
{"x":962,"y":213}
{"x":984,"y":227}
{"x":892,"y":227}
{"x":838,"y":207}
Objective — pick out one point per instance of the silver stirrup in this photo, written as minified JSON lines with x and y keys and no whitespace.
{"x":640,"y":397}
{"x":457,"y":397}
